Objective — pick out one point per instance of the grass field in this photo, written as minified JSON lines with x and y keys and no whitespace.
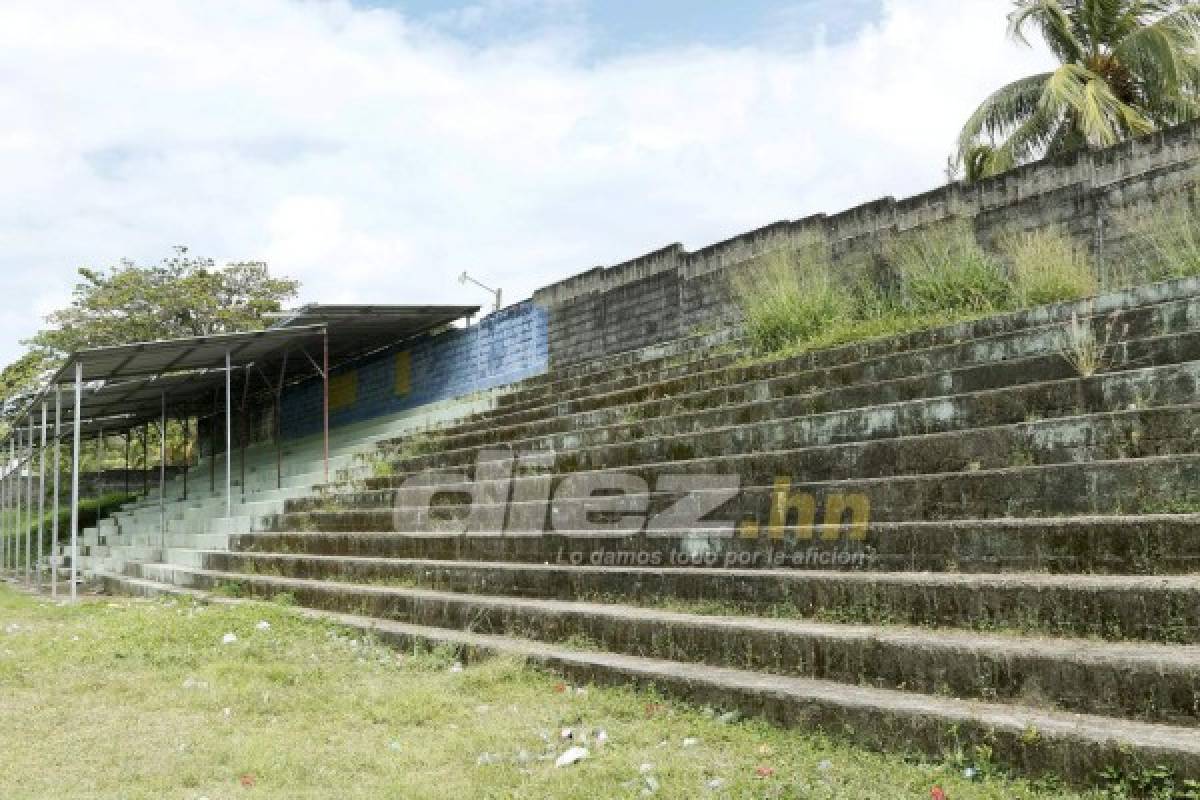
{"x":124,"y":698}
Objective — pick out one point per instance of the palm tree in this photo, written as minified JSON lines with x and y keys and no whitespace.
{"x":1128,"y":67}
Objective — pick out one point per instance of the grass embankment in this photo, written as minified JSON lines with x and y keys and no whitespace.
{"x":121,"y":698}
{"x":798,"y":299}
{"x":90,"y":510}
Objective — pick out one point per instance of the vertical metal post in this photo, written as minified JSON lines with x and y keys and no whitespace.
{"x":99,"y":473}
{"x":162,"y":475}
{"x":20,"y":491}
{"x":228,"y":434}
{"x":41,"y":548}
{"x":128,"y":437}
{"x":29,"y":506}
{"x":6,"y":520}
{"x":145,"y":459}
{"x":187,"y":451}
{"x":75,"y":480}
{"x":57,"y":470}
{"x":325,"y":378}
{"x":212,"y":444}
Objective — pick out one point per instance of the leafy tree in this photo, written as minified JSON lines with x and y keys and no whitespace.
{"x":182,"y":296}
{"x":1127,"y":67}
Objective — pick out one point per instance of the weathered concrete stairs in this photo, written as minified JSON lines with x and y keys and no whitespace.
{"x":1030,"y":582}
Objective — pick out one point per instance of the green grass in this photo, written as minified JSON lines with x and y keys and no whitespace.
{"x":90,"y":509}
{"x":140,"y":699}
{"x":1047,"y":267}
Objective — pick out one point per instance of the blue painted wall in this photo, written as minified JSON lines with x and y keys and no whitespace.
{"x":504,"y":347}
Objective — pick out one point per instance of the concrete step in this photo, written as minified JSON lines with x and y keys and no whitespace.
{"x":1032,"y":740}
{"x":1138,"y":433}
{"x":786,"y":422}
{"x":1168,"y":337}
{"x":804,"y":401}
{"x":1116,"y":544}
{"x":767,"y":490}
{"x":1138,"y":322}
{"x":1153,"y":608}
{"x":1134,"y":680}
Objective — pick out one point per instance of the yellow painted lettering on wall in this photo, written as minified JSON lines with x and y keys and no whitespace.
{"x":343,"y":390}
{"x":403,"y":374}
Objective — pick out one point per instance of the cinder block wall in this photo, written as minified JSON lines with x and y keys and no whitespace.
{"x":671,"y":292}
{"x":507,"y":346}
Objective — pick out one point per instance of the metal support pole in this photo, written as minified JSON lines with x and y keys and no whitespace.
{"x":325,"y":378}
{"x":6,"y":521}
{"x":212,"y":444}
{"x":99,"y":473}
{"x":74,"y":573}
{"x":20,"y":491}
{"x":145,"y":459}
{"x":187,"y":451}
{"x":41,"y":547}
{"x":162,"y":474}
{"x":228,"y":434}
{"x":29,"y":506}
{"x":57,"y":470}
{"x":128,"y":438}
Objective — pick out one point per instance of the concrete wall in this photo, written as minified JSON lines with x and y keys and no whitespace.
{"x":505,"y":347}
{"x":670,"y":292}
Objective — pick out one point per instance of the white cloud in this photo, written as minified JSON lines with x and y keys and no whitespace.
{"x":375,"y":159}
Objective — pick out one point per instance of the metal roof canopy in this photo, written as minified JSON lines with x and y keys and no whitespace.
{"x":135,"y":380}
{"x":146,"y":359}
{"x":113,"y":406}
{"x":355,"y":330}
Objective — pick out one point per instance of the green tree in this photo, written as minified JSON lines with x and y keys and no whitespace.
{"x":1127,"y":67}
{"x":182,"y":296}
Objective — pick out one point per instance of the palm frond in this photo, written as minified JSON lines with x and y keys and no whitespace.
{"x":1052,"y":22}
{"x":1004,"y":110}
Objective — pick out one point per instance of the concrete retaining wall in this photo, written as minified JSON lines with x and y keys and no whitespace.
{"x":670,"y":292}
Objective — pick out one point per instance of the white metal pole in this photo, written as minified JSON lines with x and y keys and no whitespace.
{"x":41,"y":545}
{"x":228,"y":435}
{"x":75,"y":480}
{"x":17,"y":532}
{"x":29,"y":505}
{"x":6,"y":521}
{"x":57,"y":470}
{"x":162,"y":480}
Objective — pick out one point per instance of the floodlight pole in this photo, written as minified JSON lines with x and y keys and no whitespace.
{"x":41,"y":497}
{"x":228,"y":434}
{"x":75,"y":480}
{"x":57,"y":470}
{"x":162,"y":478}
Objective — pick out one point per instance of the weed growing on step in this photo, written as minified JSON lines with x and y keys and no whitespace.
{"x":942,"y":269}
{"x":1086,"y":352}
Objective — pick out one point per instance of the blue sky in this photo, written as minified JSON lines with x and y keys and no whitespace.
{"x":623,"y":26}
{"x":376,"y":149}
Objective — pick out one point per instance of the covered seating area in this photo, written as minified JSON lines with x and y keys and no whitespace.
{"x":123,"y":388}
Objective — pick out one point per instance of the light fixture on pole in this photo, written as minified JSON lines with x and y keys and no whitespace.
{"x":464,"y":278}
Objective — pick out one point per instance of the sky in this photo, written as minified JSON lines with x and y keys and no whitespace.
{"x":375,"y":149}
